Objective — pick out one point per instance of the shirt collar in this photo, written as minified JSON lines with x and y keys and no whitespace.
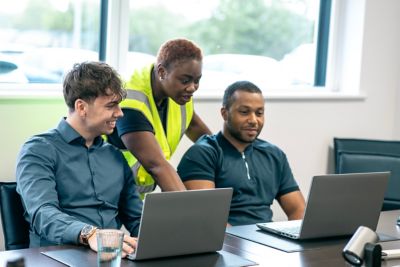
{"x":70,"y":135}
{"x":225,"y":144}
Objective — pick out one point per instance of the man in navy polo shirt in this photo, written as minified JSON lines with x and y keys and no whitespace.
{"x":258,"y":171}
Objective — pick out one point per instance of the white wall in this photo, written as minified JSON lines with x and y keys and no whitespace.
{"x":304,"y":129}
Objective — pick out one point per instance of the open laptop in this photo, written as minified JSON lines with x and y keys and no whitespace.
{"x":337,"y":205}
{"x":182,"y":223}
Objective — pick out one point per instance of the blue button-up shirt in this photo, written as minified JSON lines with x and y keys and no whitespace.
{"x":65,"y":185}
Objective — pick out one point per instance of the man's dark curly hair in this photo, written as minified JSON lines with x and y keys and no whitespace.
{"x":88,"y":80}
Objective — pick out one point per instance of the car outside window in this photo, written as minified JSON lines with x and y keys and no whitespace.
{"x":44,"y":38}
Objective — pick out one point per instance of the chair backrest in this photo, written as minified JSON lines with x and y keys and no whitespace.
{"x":15,"y":227}
{"x":363,"y":155}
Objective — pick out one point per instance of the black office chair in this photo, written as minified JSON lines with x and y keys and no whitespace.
{"x":363,"y":155}
{"x":15,"y":228}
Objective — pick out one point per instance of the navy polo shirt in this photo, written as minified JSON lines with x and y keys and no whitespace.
{"x":258,"y":175}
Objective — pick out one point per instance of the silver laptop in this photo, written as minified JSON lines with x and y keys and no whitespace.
{"x":337,"y":205}
{"x":182,"y":223}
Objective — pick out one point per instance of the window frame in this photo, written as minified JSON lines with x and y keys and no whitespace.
{"x":322,"y":42}
{"x":114,"y":49}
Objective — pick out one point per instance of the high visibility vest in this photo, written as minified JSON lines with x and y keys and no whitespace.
{"x":140,"y":97}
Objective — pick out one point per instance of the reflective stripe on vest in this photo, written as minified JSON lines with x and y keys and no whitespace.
{"x":142,"y":189}
{"x":138,"y":99}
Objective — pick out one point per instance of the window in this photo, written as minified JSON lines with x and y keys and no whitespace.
{"x":272,"y":43}
{"x":41,"y":39}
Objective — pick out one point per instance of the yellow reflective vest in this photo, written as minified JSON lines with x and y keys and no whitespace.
{"x":140,"y":97}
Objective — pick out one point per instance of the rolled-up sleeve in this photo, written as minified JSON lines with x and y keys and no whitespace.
{"x":36,"y":184}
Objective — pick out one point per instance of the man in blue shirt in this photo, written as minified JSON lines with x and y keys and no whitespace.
{"x":257,"y":171}
{"x":70,"y":181}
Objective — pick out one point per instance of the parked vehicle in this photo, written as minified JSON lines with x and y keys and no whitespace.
{"x":220,"y":70}
{"x":40,"y":65}
{"x":10,"y":73}
{"x":49,"y":64}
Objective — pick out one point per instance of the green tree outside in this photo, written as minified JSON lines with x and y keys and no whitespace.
{"x":236,"y":26}
{"x":242,"y":27}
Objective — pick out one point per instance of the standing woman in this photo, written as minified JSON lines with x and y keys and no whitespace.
{"x":158,"y":110}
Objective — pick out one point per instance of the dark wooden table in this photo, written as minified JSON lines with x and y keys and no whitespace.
{"x":329,"y":256}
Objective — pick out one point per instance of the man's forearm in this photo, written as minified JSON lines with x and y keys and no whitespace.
{"x":56,"y":226}
{"x":296,"y":215}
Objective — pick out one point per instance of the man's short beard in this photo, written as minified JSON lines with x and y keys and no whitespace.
{"x":236,"y":135}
